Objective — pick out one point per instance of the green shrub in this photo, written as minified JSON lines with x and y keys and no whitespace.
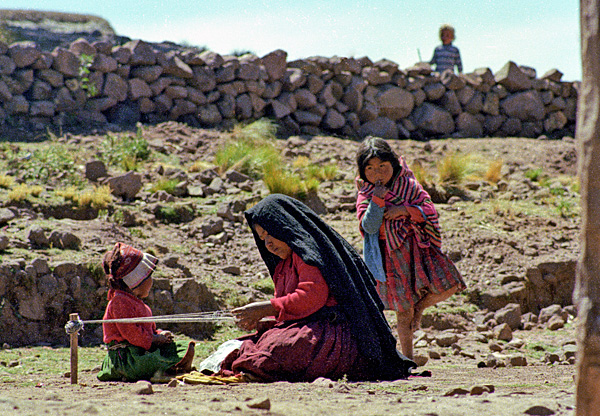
{"x":453,"y":168}
{"x":321,"y":173}
{"x":265,"y":286}
{"x":98,"y":197}
{"x":250,"y":150}
{"x":534,"y":175}
{"x":22,"y":192}
{"x":167,"y":185}
{"x":6,"y":181}
{"x":49,"y":162}
{"x":84,"y":71}
{"x":125,"y":151}
{"x":174,"y":214}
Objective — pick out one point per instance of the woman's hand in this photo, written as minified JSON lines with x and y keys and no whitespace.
{"x":249,"y":315}
{"x":265,"y":324}
{"x":395,"y":212}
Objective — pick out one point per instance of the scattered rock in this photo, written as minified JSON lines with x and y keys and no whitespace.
{"x":458,"y":391}
{"x":539,"y":411}
{"x":94,"y":170}
{"x":503,"y":332}
{"x":421,"y":360}
{"x":446,"y":339}
{"x":142,"y":387}
{"x":4,"y":242}
{"x":37,"y":237}
{"x":264,"y":404}
{"x":323,"y":382}
{"x":479,"y":390}
{"x":517,"y":361}
{"x":125,"y":186}
{"x":6,"y":215}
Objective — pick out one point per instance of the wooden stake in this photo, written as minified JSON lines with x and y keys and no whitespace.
{"x":74,"y":358}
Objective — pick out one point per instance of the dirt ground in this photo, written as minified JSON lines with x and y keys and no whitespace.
{"x":458,"y":385}
{"x":531,"y":390}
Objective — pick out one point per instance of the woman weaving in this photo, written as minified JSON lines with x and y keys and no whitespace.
{"x":326,"y":318}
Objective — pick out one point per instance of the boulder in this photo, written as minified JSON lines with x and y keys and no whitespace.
{"x":66,"y":62}
{"x":380,"y":127}
{"x":513,"y":78}
{"x":526,"y":106}
{"x":433,"y":119}
{"x":395,"y":103}
{"x":24,"y":53}
{"x":125,"y":186}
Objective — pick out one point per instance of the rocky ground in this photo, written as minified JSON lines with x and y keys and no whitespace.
{"x":497,"y":348}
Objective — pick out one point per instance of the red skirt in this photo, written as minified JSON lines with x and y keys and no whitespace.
{"x":300,"y":351}
{"x":412,"y":272}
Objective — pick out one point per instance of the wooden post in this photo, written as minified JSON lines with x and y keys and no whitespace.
{"x":74,"y":357}
{"x":587,"y":287}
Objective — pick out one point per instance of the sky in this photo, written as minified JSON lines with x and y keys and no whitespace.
{"x":542,"y":34}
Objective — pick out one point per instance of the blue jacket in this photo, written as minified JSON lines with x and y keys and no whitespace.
{"x":371,"y":223}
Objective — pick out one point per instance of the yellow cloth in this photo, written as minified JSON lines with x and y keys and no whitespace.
{"x":195,"y":377}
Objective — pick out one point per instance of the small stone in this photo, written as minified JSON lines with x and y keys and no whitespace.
{"x":539,"y":411}
{"x":479,"y":390}
{"x":494,"y":346}
{"x":446,"y":339}
{"x":458,"y":391}
{"x":322,"y":381}
{"x":503,"y":332}
{"x":264,"y":404}
{"x":232,"y":269}
{"x":518,"y":361}
{"x":421,"y":360}
{"x":4,"y":242}
{"x":142,"y":387}
{"x":555,"y":322}
{"x":434,"y":355}
{"x":551,"y":358}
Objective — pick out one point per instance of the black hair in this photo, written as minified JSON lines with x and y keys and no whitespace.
{"x":375,"y":147}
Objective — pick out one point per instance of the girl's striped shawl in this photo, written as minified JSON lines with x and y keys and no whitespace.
{"x":405,"y":190}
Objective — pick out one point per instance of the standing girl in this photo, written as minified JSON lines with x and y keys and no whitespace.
{"x":136,"y":351}
{"x":402,"y":245}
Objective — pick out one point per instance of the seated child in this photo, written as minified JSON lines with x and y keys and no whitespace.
{"x":136,"y":351}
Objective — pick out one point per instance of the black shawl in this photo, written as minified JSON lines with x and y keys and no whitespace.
{"x":346,"y":274}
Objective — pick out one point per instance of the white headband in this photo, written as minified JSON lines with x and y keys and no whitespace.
{"x":144,"y":268}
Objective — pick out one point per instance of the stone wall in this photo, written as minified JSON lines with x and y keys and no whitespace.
{"x":36,"y":299}
{"x":124,"y":84}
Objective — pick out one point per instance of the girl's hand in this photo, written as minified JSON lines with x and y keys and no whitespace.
{"x":380,"y":190}
{"x":165,"y":337}
{"x":395,"y":212}
{"x":168,"y":335}
{"x":249,"y":315}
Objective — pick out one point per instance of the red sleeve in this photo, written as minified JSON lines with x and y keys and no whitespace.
{"x":139,"y":334}
{"x":379,"y":201}
{"x":310,"y":295}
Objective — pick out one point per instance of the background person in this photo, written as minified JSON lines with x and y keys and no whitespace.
{"x":446,"y":56}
